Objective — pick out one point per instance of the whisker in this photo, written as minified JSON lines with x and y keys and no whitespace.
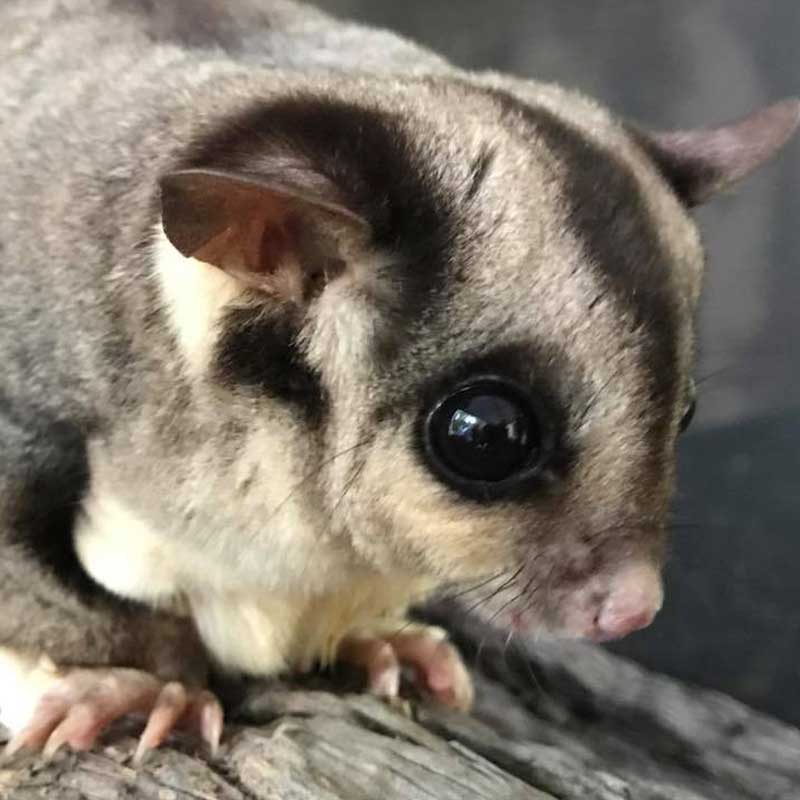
{"x":508,"y":642}
{"x":476,"y":661}
{"x":499,"y":589}
{"x":699,"y":381}
{"x":474,"y":587}
{"x":523,"y":656}
{"x":531,"y":599}
{"x":590,"y":405}
{"x":311,"y":474}
{"x":350,"y":483}
{"x":503,"y":607}
{"x":594,"y":398}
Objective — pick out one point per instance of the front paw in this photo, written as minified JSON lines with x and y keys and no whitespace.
{"x":437,"y":667}
{"x":72,"y":707}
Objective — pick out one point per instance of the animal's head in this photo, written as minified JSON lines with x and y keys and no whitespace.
{"x":477,"y":299}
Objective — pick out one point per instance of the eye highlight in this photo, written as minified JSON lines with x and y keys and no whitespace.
{"x":486,"y":438}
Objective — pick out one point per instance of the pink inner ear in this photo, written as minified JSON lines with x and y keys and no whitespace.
{"x":272,"y":237}
{"x":273,"y":248}
{"x":265,"y":239}
{"x":256,"y":241}
{"x":218,"y":250}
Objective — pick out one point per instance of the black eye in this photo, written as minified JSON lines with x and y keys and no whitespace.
{"x":691,"y":407}
{"x":485,"y":433}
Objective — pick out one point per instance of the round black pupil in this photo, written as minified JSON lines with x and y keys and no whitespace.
{"x":483,"y":436}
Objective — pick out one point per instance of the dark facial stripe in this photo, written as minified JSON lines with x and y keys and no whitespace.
{"x":258,"y":351}
{"x":607,"y":213}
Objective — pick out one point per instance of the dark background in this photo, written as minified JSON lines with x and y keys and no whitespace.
{"x":732,"y":615}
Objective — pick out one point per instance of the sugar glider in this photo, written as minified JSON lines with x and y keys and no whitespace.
{"x":300,"y":324}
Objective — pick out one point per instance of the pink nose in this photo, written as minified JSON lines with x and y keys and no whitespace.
{"x":633,"y":600}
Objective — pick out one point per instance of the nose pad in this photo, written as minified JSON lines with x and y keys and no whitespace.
{"x":634,"y":598}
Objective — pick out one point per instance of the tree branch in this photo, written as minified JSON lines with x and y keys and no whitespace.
{"x":566,"y":721}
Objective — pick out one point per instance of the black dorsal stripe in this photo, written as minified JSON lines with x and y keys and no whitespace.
{"x":608,"y":215}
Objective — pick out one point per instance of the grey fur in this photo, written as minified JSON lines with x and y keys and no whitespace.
{"x":100,"y":99}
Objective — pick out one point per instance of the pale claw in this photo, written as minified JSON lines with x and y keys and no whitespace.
{"x":212,"y":719}
{"x":170,"y":706}
{"x":438,"y":668}
{"x":378,"y":659}
{"x":198,"y":711}
{"x":80,"y":703}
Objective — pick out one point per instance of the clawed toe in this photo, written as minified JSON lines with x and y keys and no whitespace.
{"x":438,"y":670}
{"x":77,"y":707}
{"x":199,"y":712}
{"x":377,"y":658}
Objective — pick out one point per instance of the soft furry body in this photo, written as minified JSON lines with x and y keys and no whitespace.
{"x":237,"y":453}
{"x":85,"y":319}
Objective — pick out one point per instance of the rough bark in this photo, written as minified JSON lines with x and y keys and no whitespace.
{"x":565,"y":721}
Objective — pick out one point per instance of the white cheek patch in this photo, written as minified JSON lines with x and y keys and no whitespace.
{"x":195,"y":294}
{"x":251,"y":634}
{"x":245,"y":626}
{"x":23,"y":681}
{"x":122,"y":553}
{"x":242,"y":629}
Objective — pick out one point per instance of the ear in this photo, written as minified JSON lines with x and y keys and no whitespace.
{"x":277,"y":238}
{"x":701,"y":163}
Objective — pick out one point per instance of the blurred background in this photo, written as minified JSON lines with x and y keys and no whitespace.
{"x":732,"y":614}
